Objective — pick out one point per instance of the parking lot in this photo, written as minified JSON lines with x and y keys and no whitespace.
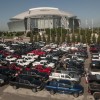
{"x":21,"y":93}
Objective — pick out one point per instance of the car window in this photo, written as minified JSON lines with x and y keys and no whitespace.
{"x":64,"y":85}
{"x":71,"y":75}
{"x":66,"y":76}
{"x":62,"y":76}
{"x":27,"y":82}
{"x":21,"y":81}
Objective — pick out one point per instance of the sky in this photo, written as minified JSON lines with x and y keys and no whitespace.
{"x":83,"y":9}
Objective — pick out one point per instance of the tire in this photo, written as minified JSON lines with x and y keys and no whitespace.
{"x":76,"y":95}
{"x":52,"y":92}
{"x":96,"y":95}
{"x":34,"y":90}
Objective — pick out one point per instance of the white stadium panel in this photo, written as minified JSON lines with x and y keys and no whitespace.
{"x":45,"y":23}
{"x":16,"y":26}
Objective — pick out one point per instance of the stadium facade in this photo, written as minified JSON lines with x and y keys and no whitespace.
{"x":42,"y":18}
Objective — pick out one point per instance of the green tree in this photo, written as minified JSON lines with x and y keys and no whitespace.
{"x":28,"y":34}
{"x":78,"y":38}
{"x":73,"y":38}
{"x":58,"y":39}
{"x":93,"y":38}
{"x":39,"y":37}
{"x":53,"y":38}
{"x":83,"y":38}
{"x":31,"y":37}
{"x":88,"y":38}
{"x":98,"y":39}
{"x":35,"y":38}
{"x":48,"y":38}
{"x":47,"y":31}
{"x":63,"y":37}
{"x":44,"y":39}
{"x":68,"y":38}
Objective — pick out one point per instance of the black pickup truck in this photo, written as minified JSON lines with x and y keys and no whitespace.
{"x":6,"y":75}
{"x":93,"y":83}
{"x":25,"y":81}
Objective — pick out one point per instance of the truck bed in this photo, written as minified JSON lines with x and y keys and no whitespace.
{"x":94,"y":86}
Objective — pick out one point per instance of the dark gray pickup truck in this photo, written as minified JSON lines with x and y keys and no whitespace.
{"x":93,"y":83}
{"x":24,"y":81}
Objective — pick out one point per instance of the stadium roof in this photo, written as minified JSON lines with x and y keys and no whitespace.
{"x":42,"y":11}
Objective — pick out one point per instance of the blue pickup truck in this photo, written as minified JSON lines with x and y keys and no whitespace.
{"x":64,"y":86}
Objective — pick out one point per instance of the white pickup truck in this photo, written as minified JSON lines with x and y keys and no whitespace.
{"x":30,"y":55}
{"x":65,"y":76}
{"x":11,"y":59}
{"x":74,"y":57}
{"x":95,"y":58}
{"x":44,"y":62}
{"x":22,"y":62}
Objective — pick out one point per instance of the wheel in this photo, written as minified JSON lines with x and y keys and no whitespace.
{"x":96,"y":95}
{"x":76,"y":95}
{"x":34,"y":90}
{"x":52,"y":92}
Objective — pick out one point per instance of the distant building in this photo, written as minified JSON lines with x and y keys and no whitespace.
{"x":41,"y":18}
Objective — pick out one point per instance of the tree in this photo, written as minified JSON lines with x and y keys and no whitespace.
{"x":78,"y":38}
{"x":58,"y":39}
{"x":35,"y":38}
{"x":28,"y":34}
{"x":53,"y":38}
{"x":83,"y":38}
{"x":47,"y":31}
{"x":93,"y":38}
{"x":44,"y":39}
{"x":68,"y":38}
{"x":39,"y":37}
{"x":98,"y":39}
{"x":63,"y":37}
{"x":73,"y":38}
{"x":31,"y":37}
{"x":48,"y":38}
{"x":88,"y":38}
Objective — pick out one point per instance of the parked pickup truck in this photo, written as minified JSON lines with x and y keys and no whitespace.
{"x":94,"y":67}
{"x":93,"y":83}
{"x":64,"y":86}
{"x":64,"y":75}
{"x":25,"y":81}
{"x":3,"y":79}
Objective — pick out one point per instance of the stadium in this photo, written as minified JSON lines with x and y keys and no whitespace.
{"x":42,"y":18}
